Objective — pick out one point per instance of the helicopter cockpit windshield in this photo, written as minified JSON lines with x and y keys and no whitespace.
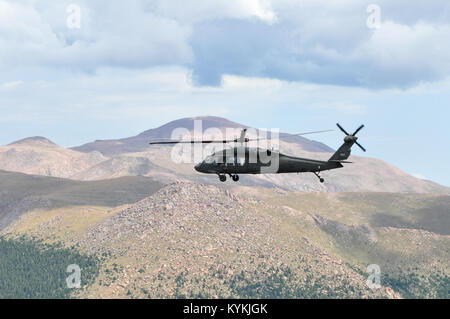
{"x":209,"y":159}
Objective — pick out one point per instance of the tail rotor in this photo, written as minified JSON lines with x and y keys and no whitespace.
{"x":351,"y":138}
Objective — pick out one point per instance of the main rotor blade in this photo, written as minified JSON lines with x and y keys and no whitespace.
{"x":298,"y":134}
{"x":359,"y":129}
{"x":342,"y":129}
{"x":191,"y":142}
{"x":360,"y":146}
{"x":208,"y":141}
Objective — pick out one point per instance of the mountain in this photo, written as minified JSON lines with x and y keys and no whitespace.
{"x":365,"y":174}
{"x":134,"y":157}
{"x":38,"y":155}
{"x":20,"y":193}
{"x":35,"y":140}
{"x":140,"y":142}
{"x":196,"y":240}
{"x":116,"y":167}
{"x":143,"y":226}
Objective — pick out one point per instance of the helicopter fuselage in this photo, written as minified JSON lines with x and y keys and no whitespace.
{"x":260,"y":161}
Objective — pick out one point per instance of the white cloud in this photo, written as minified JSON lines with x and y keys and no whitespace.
{"x":118,"y":35}
{"x":405,"y":53}
{"x":323,"y":42}
{"x":305,"y":41}
{"x":11,"y":85}
{"x":132,"y":95}
{"x":232,"y":82}
{"x":198,"y":10}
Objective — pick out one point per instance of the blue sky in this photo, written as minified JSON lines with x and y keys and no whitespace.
{"x":288,"y":64}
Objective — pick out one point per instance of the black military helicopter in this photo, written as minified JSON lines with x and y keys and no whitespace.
{"x":242,"y":159}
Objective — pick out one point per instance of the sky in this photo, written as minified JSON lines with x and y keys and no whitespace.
{"x":76,"y":71}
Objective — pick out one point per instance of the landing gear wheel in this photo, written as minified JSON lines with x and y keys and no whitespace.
{"x":318,"y":176}
{"x":235,"y":177}
{"x":222,"y":178}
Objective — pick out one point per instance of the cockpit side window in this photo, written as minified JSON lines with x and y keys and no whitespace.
{"x":241,"y":161}
{"x":230,"y":160}
{"x":209,"y":160}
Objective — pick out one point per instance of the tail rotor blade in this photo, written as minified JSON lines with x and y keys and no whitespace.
{"x":342,"y":129}
{"x":359,"y":129}
{"x":360,"y":146}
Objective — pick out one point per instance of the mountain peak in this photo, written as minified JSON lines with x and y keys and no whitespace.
{"x":34,"y":140}
{"x":188,"y":123}
{"x":140,"y":142}
{"x":210,"y":119}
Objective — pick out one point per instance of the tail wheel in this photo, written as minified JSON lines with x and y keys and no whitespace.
{"x":319,"y":177}
{"x":235,"y":178}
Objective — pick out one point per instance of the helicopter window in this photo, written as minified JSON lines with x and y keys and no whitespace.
{"x":217,"y":160}
{"x":230,"y":160}
{"x":209,"y":160}
{"x":241,"y":161}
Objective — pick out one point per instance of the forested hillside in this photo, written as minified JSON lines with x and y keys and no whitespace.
{"x":32,"y":269}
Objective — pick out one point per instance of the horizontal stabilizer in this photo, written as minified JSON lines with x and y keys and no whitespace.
{"x":338,"y":161}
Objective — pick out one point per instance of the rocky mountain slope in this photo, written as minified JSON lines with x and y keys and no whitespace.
{"x":196,"y":240}
{"x":20,"y":193}
{"x":38,"y":155}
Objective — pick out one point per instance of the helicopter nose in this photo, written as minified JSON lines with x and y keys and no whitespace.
{"x":197,"y":167}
